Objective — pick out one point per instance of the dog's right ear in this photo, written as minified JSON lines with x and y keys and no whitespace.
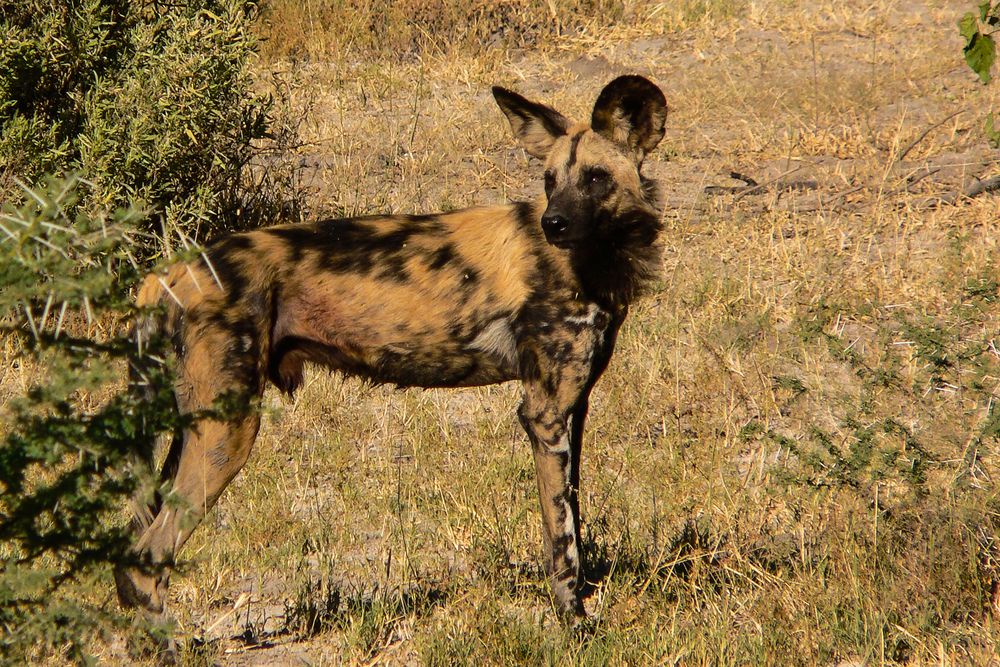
{"x":631,"y":111}
{"x":535,"y":125}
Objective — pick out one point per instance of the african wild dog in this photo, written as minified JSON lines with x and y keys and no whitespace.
{"x":534,"y":292}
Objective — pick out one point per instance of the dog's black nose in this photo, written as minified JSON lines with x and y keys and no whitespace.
{"x":554,"y":225}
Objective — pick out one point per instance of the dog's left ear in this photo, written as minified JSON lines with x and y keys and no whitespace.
{"x":631,"y":110}
{"x":535,"y":125}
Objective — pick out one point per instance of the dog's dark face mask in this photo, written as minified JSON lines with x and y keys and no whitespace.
{"x":592,"y":171}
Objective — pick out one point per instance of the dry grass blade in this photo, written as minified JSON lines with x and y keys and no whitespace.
{"x":923,"y":135}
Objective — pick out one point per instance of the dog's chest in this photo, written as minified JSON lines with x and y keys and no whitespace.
{"x":496,"y":344}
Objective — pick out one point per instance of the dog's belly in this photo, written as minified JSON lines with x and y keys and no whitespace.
{"x":452,"y":365}
{"x":476,"y":354}
{"x":419,"y":368}
{"x":488,"y":357}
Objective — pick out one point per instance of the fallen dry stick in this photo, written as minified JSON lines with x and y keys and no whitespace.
{"x":779,"y":184}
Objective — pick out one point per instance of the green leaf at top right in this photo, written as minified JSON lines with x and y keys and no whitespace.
{"x":980,"y":54}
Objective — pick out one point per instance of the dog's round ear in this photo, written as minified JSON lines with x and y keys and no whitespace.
{"x":631,"y":110}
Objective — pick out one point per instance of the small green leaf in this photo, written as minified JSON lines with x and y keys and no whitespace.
{"x":992,"y":16}
{"x":969,"y":28}
{"x":984,"y":11}
{"x":992,"y":134}
{"x":980,"y":54}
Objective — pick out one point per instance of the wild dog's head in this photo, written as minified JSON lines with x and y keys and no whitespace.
{"x":598,"y":204}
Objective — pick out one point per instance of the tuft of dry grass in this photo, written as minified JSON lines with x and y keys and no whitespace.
{"x":331,"y":30}
{"x":793,"y":457}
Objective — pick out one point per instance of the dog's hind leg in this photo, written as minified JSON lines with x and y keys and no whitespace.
{"x":216,"y":367}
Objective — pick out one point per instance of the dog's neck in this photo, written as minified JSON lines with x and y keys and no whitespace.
{"x":619,"y":267}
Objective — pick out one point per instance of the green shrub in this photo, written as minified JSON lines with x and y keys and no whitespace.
{"x":68,"y":442}
{"x":151,"y":102}
{"x":122,"y":102}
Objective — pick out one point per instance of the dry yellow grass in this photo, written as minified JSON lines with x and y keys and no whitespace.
{"x":793,"y":457}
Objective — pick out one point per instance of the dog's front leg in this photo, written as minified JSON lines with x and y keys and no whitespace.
{"x":559,"y":370}
{"x":548,"y":426}
{"x":602,"y":355}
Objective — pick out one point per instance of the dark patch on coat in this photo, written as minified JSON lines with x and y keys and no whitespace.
{"x":225,"y":265}
{"x":574,"y":143}
{"x":442,"y":257}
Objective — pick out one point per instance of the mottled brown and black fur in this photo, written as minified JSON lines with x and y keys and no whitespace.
{"x":534,"y":292}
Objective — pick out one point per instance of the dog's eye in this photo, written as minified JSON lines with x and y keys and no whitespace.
{"x":597,"y":177}
{"x":550,"y":182}
{"x":598,"y":182}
